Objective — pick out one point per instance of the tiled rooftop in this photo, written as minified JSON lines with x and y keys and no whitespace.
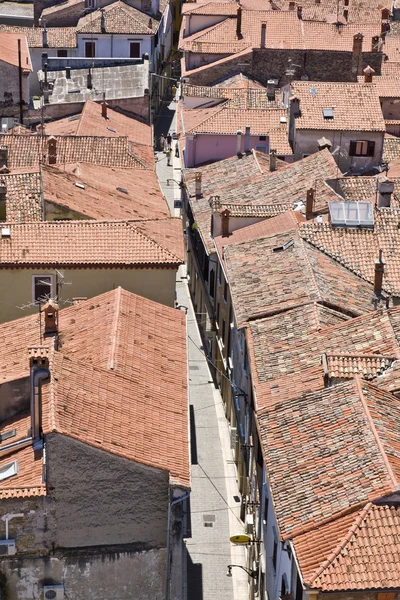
{"x":118,"y":18}
{"x":391,"y":148}
{"x":9,"y":50}
{"x":94,"y":243}
{"x":110,"y":345}
{"x":210,"y":8}
{"x":358,"y":249}
{"x":386,"y":87}
{"x":240,"y":97}
{"x":278,"y":272}
{"x":324,"y":453}
{"x":23,"y":201}
{"x":367,"y":366}
{"x":57,"y":37}
{"x":356,"y":106}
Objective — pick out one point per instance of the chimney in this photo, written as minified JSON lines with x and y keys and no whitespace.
{"x":294,"y":106}
{"x":225,"y":222}
{"x":39,"y":371}
{"x":385,"y":14}
{"x":197,"y":183}
{"x":310,"y":203}
{"x":40,"y":129}
{"x":45,"y":58}
{"x":300,"y":12}
{"x":247,"y":139}
{"x":346,"y":14}
{"x":292,"y":5}
{"x":379,"y":270}
{"x":324,"y":143}
{"x":239,"y":142}
{"x":263,"y":34}
{"x":385,"y":191}
{"x":272,"y":160}
{"x":368,"y":74}
{"x":104,"y":110}
{"x":102,"y":21}
{"x":4,"y":157}
{"x":52,"y":150}
{"x":384,"y":28}
{"x":68,"y":72}
{"x":89,"y":80}
{"x":239,"y":23}
{"x":271,"y":89}
{"x":45,"y":43}
{"x":50,"y":312}
{"x":150,"y":25}
{"x":357,"y":44}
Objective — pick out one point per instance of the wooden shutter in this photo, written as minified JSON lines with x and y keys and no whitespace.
{"x":371,"y":149}
{"x":353,"y":148}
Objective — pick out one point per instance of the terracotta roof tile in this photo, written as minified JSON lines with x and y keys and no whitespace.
{"x":118,"y":18}
{"x":9,"y":50}
{"x":241,"y":97}
{"x":358,"y":249}
{"x":95,"y":243}
{"x":99,"y":362}
{"x":23,"y":201}
{"x":29,"y":479}
{"x":386,"y":87}
{"x":367,"y":366}
{"x":323,"y":448}
{"x":391,"y":149}
{"x":57,"y":37}
{"x":356,"y":106}
{"x":211,"y":8}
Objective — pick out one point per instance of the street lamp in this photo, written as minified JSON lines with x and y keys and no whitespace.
{"x":253,"y":574}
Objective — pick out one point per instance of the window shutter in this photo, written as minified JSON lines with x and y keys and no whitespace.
{"x":371,"y":149}
{"x":353,"y":148}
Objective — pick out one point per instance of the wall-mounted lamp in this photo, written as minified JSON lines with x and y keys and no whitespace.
{"x":253,"y":574}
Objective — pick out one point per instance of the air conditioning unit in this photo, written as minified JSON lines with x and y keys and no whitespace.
{"x":7,"y":547}
{"x":233,"y":437}
{"x":53,"y":592}
{"x":249,"y":524}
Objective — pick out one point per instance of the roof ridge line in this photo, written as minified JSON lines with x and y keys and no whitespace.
{"x":342,"y":513}
{"x":342,"y":544}
{"x":308,"y":264}
{"x":146,"y":235}
{"x":375,"y":432}
{"x":210,"y":117}
{"x":256,"y":159}
{"x":114,"y":329}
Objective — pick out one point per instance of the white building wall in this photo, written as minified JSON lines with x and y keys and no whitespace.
{"x":113,"y":46}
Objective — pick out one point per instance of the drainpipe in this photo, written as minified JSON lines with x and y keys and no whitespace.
{"x":168,"y":574}
{"x":37,"y":375}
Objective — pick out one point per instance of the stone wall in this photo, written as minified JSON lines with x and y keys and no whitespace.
{"x":264,"y":64}
{"x":9,"y":89}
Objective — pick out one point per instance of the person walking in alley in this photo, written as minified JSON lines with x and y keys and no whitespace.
{"x":169,"y":152}
{"x":169,"y":141}
{"x":177,"y":150}
{"x":165,"y":143}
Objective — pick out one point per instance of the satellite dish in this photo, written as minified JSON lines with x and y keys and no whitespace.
{"x":240,"y":539}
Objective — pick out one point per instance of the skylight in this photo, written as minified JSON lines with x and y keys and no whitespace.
{"x":351,"y":214}
{"x":328,"y":113}
{"x":8,"y":470}
{"x":313,"y":91}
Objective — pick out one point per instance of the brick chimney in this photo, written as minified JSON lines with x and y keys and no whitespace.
{"x":272,"y":160}
{"x":263,"y":35}
{"x":310,"y":203}
{"x":52,"y":150}
{"x":39,"y":371}
{"x":50,"y":313}
{"x":239,"y":142}
{"x":379,"y":271}
{"x":368,"y":74}
{"x":300,"y":12}
{"x":357,"y":44}
{"x":292,"y":5}
{"x":197,"y":183}
{"x":239,"y":23}
{"x":225,"y":222}
{"x":246,"y":147}
{"x":385,"y":191}
{"x":104,"y":110}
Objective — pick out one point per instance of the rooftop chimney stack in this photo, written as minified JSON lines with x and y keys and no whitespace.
{"x":239,"y":142}
{"x":375,"y":46}
{"x":346,"y":14}
{"x":239,"y":23}
{"x":263,"y":34}
{"x":379,"y":271}
{"x":225,"y":222}
{"x":197,"y":182}
{"x":68,"y":72}
{"x":271,"y":89}
{"x":89,"y":80}
{"x":292,"y":5}
{"x":45,"y":42}
{"x":272,"y":160}
{"x":52,"y":150}
{"x":247,"y":139}
{"x":357,"y":44}
{"x":310,"y":203}
{"x":39,"y":371}
{"x":104,"y":110}
{"x":300,"y":12}
{"x":385,"y":191}
{"x":368,"y":74}
{"x":50,"y":312}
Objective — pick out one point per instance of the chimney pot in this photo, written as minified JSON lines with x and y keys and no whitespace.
{"x":263,"y":34}
{"x":247,"y":139}
{"x":39,"y":371}
{"x":197,"y":181}
{"x":385,"y":191}
{"x":292,"y":5}
{"x":357,"y":44}
{"x":272,"y":160}
{"x":225,"y":222}
{"x":239,"y":142}
{"x":239,"y":23}
{"x":310,"y":203}
{"x":104,"y":110}
{"x":300,"y":12}
{"x":379,"y":271}
{"x":52,"y":150}
{"x":368,"y":74}
{"x":50,"y":312}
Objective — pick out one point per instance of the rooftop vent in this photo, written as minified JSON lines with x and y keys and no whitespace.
{"x":328,"y":113}
{"x":5,"y":232}
{"x":80,"y":185}
{"x":283,"y":247}
{"x":123,"y":190}
{"x":313,"y":91}
{"x":112,"y":129}
{"x":351,"y":214}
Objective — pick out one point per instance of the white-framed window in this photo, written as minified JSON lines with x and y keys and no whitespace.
{"x":8,"y":470}
{"x":42,"y":288}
